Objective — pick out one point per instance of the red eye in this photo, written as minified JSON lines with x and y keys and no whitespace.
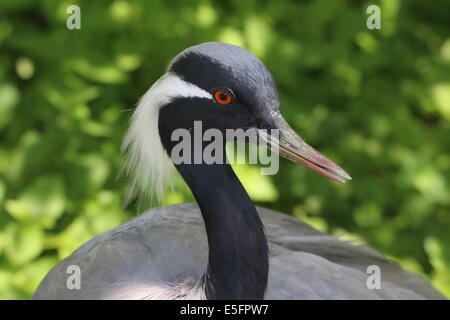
{"x":222,"y":97}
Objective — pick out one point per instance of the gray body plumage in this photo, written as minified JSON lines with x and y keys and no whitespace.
{"x":152,"y":257}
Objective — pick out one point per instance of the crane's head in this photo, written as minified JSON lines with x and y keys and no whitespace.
{"x":225,"y":87}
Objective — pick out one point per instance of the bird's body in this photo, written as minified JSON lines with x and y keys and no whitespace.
{"x":151,"y":257}
{"x":218,"y":249}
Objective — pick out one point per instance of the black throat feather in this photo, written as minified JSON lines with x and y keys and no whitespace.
{"x":238,"y":261}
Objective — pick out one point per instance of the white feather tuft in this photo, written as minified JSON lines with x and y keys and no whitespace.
{"x":147,"y":162}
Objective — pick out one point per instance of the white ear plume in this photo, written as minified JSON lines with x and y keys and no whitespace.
{"x":147,"y":163}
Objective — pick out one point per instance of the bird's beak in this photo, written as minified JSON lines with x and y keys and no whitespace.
{"x":290,"y":146}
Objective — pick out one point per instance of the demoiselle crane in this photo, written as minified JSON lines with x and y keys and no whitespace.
{"x":223,"y":247}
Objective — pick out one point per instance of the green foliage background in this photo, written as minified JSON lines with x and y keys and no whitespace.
{"x":375,"y":101}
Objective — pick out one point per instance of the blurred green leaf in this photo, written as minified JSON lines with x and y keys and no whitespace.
{"x":22,"y":243}
{"x":9,"y":98}
{"x":41,"y":203}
